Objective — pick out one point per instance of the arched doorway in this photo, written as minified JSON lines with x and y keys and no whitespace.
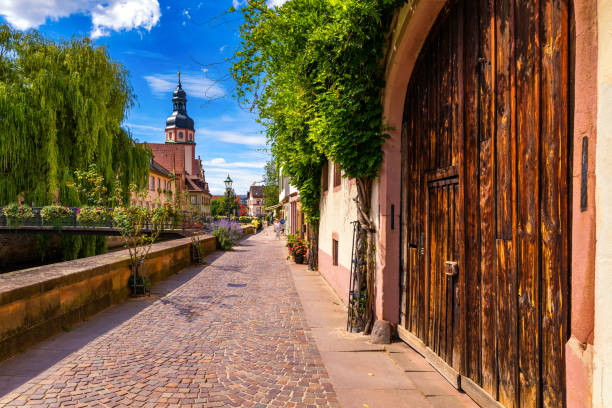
{"x":486,"y":189}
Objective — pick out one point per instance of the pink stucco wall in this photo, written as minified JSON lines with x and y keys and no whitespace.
{"x":579,"y":363}
{"x":337,"y":276}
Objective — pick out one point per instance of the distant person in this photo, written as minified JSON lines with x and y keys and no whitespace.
{"x":282,"y":226}
{"x":277,"y":229}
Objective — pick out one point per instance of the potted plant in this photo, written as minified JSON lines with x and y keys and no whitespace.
{"x":197,"y":255}
{"x":173,"y":213}
{"x":91,"y":216}
{"x":56,"y":215}
{"x":297,"y":248}
{"x":17,"y":214}
{"x":139,"y":228}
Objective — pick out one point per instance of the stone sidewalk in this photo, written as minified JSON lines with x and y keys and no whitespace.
{"x":365,"y":374}
{"x":248,"y":330}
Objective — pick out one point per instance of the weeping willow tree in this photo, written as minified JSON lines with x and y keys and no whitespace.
{"x":61,"y":108}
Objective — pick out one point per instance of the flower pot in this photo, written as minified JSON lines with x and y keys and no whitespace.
{"x":196,"y":254}
{"x":299,"y":259}
{"x":15,"y":222}
{"x":139,"y":285}
{"x":59,"y":222}
{"x":142,"y":287}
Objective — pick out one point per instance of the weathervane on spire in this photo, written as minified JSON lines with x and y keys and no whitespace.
{"x":179,"y":78}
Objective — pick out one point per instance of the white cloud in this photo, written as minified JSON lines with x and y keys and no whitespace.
{"x":146,"y":54}
{"x":24,"y":14}
{"x":271,"y":3}
{"x":156,"y":129}
{"x":276,"y":3}
{"x":195,"y":84}
{"x":242,"y":178}
{"x":232,"y":136}
{"x":227,"y":118}
{"x":220,"y":162}
{"x":106,"y":15}
{"x":120,"y":15}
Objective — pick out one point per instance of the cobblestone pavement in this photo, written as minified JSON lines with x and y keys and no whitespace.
{"x":233,"y":336}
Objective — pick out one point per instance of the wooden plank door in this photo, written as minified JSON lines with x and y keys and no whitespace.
{"x":486,"y":175}
{"x":442,"y":256}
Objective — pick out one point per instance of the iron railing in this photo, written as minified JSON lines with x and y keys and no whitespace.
{"x":185,"y":221}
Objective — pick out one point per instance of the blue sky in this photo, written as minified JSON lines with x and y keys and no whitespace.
{"x":154,"y":39}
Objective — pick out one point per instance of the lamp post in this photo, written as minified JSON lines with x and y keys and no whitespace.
{"x":228,"y":190}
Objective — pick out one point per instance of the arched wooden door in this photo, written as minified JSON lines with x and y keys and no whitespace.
{"x":486,"y":197}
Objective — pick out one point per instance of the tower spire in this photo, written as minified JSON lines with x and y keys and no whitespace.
{"x":179,"y":126}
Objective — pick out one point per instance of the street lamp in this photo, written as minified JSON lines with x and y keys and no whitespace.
{"x":228,"y":190}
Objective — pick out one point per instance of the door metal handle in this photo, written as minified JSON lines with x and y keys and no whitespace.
{"x":451,"y":268}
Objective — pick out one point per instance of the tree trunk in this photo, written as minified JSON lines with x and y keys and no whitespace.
{"x":365,"y":266}
{"x":313,"y":247}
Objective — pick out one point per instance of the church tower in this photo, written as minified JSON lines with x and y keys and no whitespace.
{"x":179,"y":126}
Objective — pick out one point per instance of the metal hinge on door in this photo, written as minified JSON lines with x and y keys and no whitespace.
{"x":422,"y":244}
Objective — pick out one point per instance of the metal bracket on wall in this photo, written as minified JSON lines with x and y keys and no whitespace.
{"x":584,"y":175}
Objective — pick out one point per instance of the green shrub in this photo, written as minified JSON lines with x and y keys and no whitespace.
{"x":291,"y":239}
{"x":224,"y":239}
{"x":17,"y":214}
{"x":55,"y":215}
{"x":298,"y":247}
{"x":130,"y":220}
{"x":91,"y":216}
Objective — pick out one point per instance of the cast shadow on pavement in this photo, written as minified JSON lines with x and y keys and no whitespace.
{"x":23,"y":367}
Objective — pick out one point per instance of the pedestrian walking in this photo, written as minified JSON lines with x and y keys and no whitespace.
{"x":277,"y":228}
{"x":282,"y":226}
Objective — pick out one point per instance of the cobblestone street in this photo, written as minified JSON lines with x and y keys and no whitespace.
{"x":233,"y":335}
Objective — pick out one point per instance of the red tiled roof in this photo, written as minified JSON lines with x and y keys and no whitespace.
{"x":256,"y":191}
{"x":159,"y":169}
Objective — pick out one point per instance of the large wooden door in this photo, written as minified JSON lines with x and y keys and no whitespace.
{"x":486,"y":186}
